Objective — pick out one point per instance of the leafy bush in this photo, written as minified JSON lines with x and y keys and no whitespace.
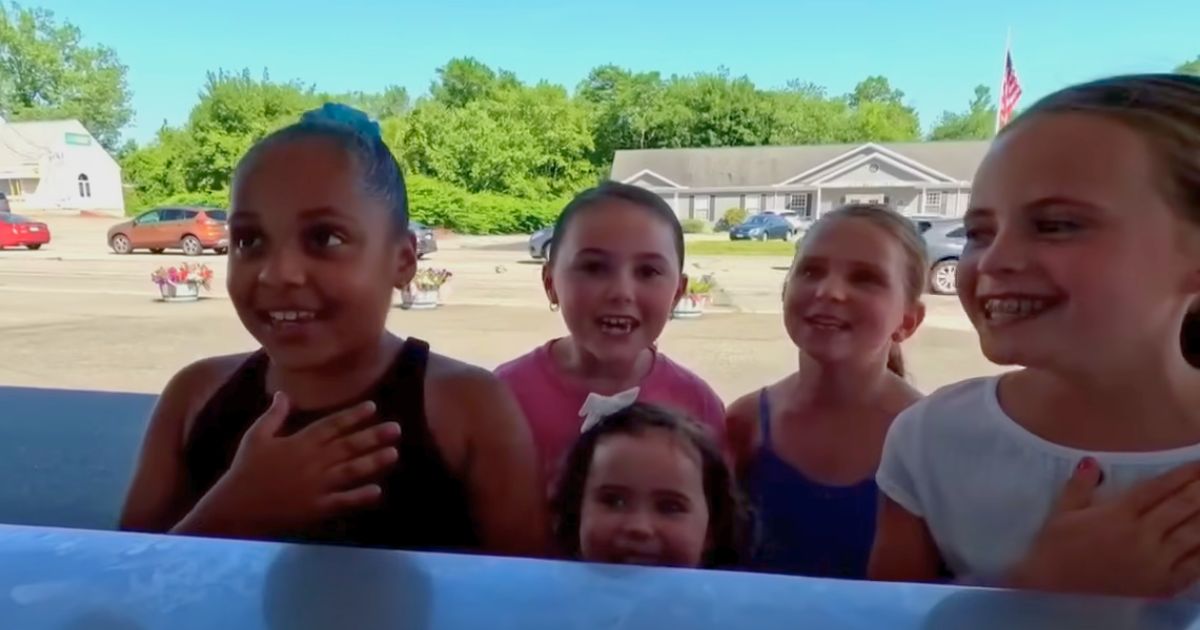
{"x":431,"y":202}
{"x":440,"y":204}
{"x":732,"y":218}
{"x":694,"y":226}
{"x":136,"y":204}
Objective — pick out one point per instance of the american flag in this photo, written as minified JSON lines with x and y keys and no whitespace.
{"x":1010,"y":93}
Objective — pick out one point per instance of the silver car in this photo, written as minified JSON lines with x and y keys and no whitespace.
{"x":944,"y":242}
{"x":539,"y":243}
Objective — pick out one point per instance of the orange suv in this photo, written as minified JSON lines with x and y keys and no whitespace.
{"x":192,"y":230}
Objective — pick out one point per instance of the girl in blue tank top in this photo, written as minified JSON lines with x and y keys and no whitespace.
{"x":807,"y":447}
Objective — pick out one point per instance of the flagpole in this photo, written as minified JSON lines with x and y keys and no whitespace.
{"x":1003,"y":77}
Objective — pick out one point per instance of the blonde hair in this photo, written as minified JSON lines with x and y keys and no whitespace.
{"x":904,"y":232}
{"x":1165,"y":110}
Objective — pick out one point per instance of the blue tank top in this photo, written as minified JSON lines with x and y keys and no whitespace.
{"x":804,"y":527}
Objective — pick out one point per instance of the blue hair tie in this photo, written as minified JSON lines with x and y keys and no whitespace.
{"x":343,"y":115}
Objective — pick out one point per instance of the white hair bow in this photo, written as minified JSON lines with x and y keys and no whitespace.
{"x":597,"y":406}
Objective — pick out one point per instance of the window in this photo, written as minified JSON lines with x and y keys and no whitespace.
{"x":85,"y":186}
{"x":149,"y":218}
{"x":934,"y":201}
{"x":957,"y":233}
{"x":221,"y":215}
{"x":750,"y":203}
{"x":798,"y":202}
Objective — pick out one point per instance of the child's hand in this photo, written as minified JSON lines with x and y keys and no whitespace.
{"x":280,"y":483}
{"x":1143,"y":543}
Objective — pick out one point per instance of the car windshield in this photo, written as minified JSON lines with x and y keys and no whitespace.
{"x":12,"y":218}
{"x":761,"y":219}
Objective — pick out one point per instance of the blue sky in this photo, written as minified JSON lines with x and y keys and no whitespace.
{"x":934,"y":50}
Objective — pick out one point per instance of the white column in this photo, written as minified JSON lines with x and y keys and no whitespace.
{"x":921,"y":201}
{"x":817,"y":210}
{"x":675,"y":204}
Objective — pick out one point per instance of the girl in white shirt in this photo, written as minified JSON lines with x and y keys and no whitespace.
{"x":1078,"y":472}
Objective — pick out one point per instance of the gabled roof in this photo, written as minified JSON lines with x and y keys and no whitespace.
{"x":772,"y":166}
{"x":24,"y":144}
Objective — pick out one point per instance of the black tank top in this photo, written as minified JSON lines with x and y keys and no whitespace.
{"x":424,"y":506}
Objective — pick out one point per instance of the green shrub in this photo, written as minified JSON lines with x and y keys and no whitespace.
{"x":136,"y":204}
{"x":732,"y":218}
{"x":694,"y":226}
{"x":444,"y":205}
{"x":434,"y":203}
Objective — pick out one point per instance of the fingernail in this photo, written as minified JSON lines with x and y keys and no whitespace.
{"x":1086,"y":463}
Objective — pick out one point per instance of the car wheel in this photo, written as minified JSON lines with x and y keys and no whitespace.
{"x":157,"y":250}
{"x":34,"y":247}
{"x":120,"y":244}
{"x":943,"y":278}
{"x":191,"y":246}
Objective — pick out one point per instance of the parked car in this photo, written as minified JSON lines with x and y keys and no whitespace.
{"x":799,"y":223}
{"x":426,"y":242}
{"x":539,"y":243}
{"x":762,"y":227}
{"x":4,"y":207}
{"x":944,"y":242}
{"x":192,"y":230}
{"x":20,"y":231}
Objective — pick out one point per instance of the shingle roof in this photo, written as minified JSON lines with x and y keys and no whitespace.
{"x":766,"y":166}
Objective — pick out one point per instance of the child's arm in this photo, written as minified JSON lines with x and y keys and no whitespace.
{"x":904,"y":550}
{"x":155,"y":501}
{"x":500,"y":466}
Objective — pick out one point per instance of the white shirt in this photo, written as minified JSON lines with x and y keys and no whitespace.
{"x":984,"y":484}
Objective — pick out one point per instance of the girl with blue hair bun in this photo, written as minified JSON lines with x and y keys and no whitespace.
{"x":336,"y":430}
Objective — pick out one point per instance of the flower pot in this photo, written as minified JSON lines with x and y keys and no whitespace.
{"x":690,"y":307}
{"x":421,"y":299}
{"x":186,"y":292}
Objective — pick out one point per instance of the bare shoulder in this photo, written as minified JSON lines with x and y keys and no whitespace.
{"x":192,"y":386}
{"x":458,"y":383}
{"x":464,"y":403}
{"x":742,"y":422}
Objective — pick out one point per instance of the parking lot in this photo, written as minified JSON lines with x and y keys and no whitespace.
{"x":75,"y":315}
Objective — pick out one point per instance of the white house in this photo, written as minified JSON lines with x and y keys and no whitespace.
{"x":57,"y":165}
{"x":912,"y":177}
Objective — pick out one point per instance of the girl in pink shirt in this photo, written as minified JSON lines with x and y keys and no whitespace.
{"x":615,"y":270}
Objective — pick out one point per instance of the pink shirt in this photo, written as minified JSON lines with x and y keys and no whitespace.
{"x":551,"y":400}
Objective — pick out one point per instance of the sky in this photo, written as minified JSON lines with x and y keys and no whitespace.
{"x":936,"y":51}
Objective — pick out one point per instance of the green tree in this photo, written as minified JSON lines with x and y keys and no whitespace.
{"x":878,"y":114}
{"x":977,"y":123}
{"x":1190,"y":67}
{"x":391,"y":102}
{"x":466,"y":79}
{"x":46,"y":72}
{"x":236,"y":110}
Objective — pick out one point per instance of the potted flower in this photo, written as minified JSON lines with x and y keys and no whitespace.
{"x":425,"y":290}
{"x":182,"y":283}
{"x":698,"y":295}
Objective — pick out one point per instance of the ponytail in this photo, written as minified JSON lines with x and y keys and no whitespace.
{"x":895,"y":361}
{"x":1189,"y":339}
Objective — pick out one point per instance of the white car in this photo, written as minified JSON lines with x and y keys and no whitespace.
{"x":798,"y":223}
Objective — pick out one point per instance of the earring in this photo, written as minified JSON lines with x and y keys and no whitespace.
{"x":554,"y":307}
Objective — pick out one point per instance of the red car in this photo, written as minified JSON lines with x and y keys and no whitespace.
{"x":18,"y":231}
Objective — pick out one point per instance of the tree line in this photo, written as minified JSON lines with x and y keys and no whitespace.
{"x":479,"y":137}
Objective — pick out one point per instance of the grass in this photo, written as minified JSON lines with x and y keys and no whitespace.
{"x":740,"y":248}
